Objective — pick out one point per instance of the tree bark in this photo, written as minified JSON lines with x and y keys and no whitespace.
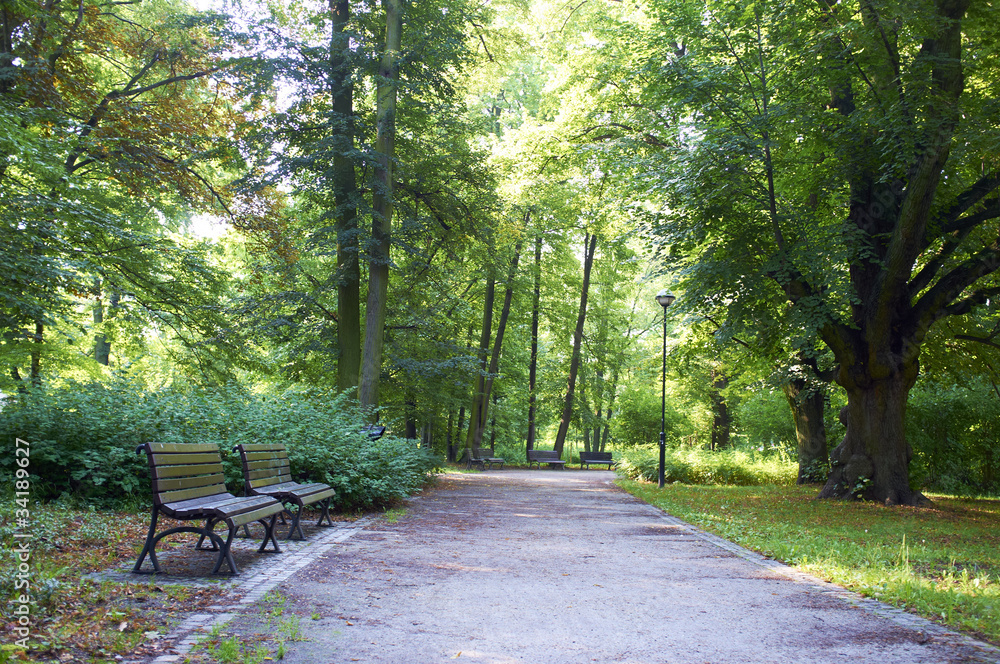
{"x":479,"y":392}
{"x":497,"y":346}
{"x":345,"y":193}
{"x":590,"y":247}
{"x":533,"y":365}
{"x":721,"y":419}
{"x":385,"y":147}
{"x":808,"y":408}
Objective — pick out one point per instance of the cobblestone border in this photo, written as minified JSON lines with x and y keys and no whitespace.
{"x":894,"y":614}
{"x":254,"y":582}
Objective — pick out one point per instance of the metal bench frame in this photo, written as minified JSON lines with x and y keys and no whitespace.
{"x":266,"y":472}
{"x":188,"y":484}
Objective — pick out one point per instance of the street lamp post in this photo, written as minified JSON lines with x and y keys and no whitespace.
{"x":664,"y":298}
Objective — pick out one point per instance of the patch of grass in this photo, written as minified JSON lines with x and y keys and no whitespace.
{"x":941,"y":562}
{"x":395,"y":514}
{"x":735,"y":467}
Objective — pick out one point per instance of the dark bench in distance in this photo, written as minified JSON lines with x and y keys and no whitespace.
{"x":188,"y":485}
{"x":485,"y":454}
{"x":266,"y":473}
{"x":596,"y":458}
{"x":550,"y":457}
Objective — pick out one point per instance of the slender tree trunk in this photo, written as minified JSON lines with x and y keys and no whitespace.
{"x":497,"y":346}
{"x":808,"y":408}
{"x":533,"y":365}
{"x":36,"y":355}
{"x":476,"y":412}
{"x":410,"y":415}
{"x":385,"y":147}
{"x":102,"y":347}
{"x":585,"y":419}
{"x":721,"y":420}
{"x":449,"y":439}
{"x":345,"y":191}
{"x":574,"y":365}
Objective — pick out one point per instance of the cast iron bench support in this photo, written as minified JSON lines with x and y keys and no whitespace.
{"x":188,"y":485}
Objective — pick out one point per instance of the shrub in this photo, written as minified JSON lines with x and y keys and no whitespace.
{"x":737,"y":467}
{"x":83,"y":438}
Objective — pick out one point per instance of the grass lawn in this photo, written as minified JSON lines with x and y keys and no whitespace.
{"x":941,"y":562}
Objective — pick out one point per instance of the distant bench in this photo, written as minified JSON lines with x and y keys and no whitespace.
{"x":596,"y":458}
{"x":550,"y":457}
{"x":482,"y":457}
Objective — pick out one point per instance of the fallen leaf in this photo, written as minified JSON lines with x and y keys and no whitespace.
{"x":122,"y":626}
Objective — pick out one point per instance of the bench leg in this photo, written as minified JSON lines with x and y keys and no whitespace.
{"x":226,"y":554}
{"x":218,"y":545}
{"x":295,"y":524}
{"x":269,"y":535}
{"x":325,"y":507}
{"x":149,"y":547}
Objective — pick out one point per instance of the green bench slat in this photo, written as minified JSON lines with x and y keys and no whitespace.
{"x":182,"y":459}
{"x":270,"y":463}
{"x":266,"y":481}
{"x":174,"y":484}
{"x":183,"y":448}
{"x":161,"y":472}
{"x":255,"y":515}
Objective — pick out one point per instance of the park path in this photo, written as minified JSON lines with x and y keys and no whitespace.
{"x":546,"y":567}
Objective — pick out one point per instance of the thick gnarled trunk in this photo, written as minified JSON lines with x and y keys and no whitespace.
{"x":872,"y":462}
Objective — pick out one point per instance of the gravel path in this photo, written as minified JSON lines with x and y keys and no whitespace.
{"x":562,"y":566}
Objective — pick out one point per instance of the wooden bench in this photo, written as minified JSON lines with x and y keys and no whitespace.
{"x":484,"y":454}
{"x":266,"y":473}
{"x":550,"y":457}
{"x":188,"y":485}
{"x":596,"y":458}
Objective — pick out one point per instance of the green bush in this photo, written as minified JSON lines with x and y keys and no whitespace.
{"x":83,"y":437}
{"x":955,"y":435}
{"x":735,"y":467}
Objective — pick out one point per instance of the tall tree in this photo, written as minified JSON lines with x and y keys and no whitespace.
{"x":590,"y":248}
{"x":839,"y":166}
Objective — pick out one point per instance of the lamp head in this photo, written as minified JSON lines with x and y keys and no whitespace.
{"x":665,"y":298}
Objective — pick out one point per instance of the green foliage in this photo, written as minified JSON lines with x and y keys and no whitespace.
{"x":955,"y":434}
{"x":735,"y":467}
{"x":762,"y":417}
{"x":637,"y":421}
{"x":83,"y":438}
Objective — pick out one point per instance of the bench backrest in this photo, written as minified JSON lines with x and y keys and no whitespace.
{"x":542,"y":454}
{"x":595,"y":456}
{"x":481,"y":453}
{"x":264,"y":464}
{"x":182,"y":471}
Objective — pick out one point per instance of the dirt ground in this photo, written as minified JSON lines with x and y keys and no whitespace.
{"x":554,"y":566}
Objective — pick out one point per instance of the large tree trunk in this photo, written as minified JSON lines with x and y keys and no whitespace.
{"x":872,"y":462}
{"x":574,"y":365}
{"x":345,"y":192}
{"x":533,"y":366}
{"x":808,"y":409}
{"x":385,"y":147}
